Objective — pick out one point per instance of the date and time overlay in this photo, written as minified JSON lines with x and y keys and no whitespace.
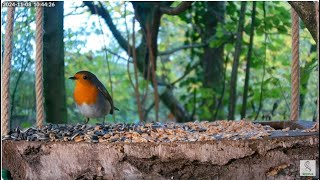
{"x":28,"y":4}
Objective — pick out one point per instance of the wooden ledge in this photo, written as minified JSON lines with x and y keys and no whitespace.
{"x":277,"y":156}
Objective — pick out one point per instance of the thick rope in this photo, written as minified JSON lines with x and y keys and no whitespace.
{"x":39,"y":67}
{"x":295,"y":75}
{"x":6,"y":67}
{"x":317,"y":19}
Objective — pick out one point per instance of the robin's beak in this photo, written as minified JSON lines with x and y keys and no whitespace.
{"x":72,"y":78}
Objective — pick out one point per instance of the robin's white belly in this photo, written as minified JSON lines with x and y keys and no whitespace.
{"x":94,"y":111}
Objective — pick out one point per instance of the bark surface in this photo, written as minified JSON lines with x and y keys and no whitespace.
{"x":275,"y":157}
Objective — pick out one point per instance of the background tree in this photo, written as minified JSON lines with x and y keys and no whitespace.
{"x":248,"y":64}
{"x":207,"y":18}
{"x":53,"y":65}
{"x":235,"y":64}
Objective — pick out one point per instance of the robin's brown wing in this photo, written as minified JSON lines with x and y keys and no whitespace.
{"x":106,"y":94}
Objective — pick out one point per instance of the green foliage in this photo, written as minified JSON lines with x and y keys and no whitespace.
{"x":85,"y":49}
{"x":22,"y":67}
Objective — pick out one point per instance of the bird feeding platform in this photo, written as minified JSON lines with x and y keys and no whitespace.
{"x":222,"y":149}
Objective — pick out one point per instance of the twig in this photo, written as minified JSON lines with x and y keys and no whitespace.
{"x":148,"y":110}
{"x":176,"y":10}
{"x":234,"y":71}
{"x":23,"y":68}
{"x":22,"y":71}
{"x":128,"y":50}
{"x":188,"y":71}
{"x":248,"y":65}
{"x":283,"y":95}
{"x":100,"y":10}
{"x":194,"y":103}
{"x":163,"y":53}
{"x":72,"y":13}
{"x":223,"y":87}
{"x":115,"y":54}
{"x":108,"y":64}
{"x":264,"y":63}
{"x":136,"y":86}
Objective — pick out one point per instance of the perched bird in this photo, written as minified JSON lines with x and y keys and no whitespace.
{"x":91,"y":97}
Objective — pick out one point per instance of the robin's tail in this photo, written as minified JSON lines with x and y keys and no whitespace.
{"x":114,"y":108}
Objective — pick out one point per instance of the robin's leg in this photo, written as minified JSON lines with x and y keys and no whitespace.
{"x":104,"y":119}
{"x":86,"y":120}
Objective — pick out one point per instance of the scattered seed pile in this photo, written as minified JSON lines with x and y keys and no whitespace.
{"x":149,"y":132}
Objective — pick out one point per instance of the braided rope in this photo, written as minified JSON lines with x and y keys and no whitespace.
{"x":5,"y":78}
{"x":39,"y":67}
{"x":295,"y":74}
{"x":317,"y":19}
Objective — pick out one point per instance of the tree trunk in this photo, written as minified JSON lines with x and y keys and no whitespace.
{"x":53,"y":65}
{"x":212,"y":59}
{"x":306,"y":11}
{"x":249,"y":55}
{"x":234,"y":73}
{"x":172,"y":103}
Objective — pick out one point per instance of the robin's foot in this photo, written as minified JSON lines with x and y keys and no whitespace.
{"x":86,"y":120}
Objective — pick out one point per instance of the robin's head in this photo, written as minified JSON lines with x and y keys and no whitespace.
{"x":84,"y":77}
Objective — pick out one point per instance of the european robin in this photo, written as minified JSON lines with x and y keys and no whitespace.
{"x":91,"y":97}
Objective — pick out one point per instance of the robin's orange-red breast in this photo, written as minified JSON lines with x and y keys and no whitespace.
{"x":91,"y":97}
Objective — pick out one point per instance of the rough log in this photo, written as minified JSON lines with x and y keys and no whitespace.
{"x":275,"y":157}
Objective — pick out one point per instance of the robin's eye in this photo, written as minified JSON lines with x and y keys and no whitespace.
{"x":85,"y":77}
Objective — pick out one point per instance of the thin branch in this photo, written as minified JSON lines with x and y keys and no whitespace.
{"x":189,"y":46}
{"x":248,"y":65}
{"x":128,"y":38}
{"x":194,"y":103}
{"x":153,"y":72}
{"x":264,"y":63}
{"x":115,"y":54}
{"x":223,"y":87}
{"x":283,"y":94}
{"x":135,"y":60}
{"x":235,"y":65}
{"x":100,"y":10}
{"x":189,"y":70}
{"x":176,"y":10}
{"x":147,"y":111}
{"x":108,"y":63}
{"x":164,"y":70}
{"x":230,"y":39}
{"x":23,"y":70}
{"x":72,"y":13}
{"x":135,"y":84}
